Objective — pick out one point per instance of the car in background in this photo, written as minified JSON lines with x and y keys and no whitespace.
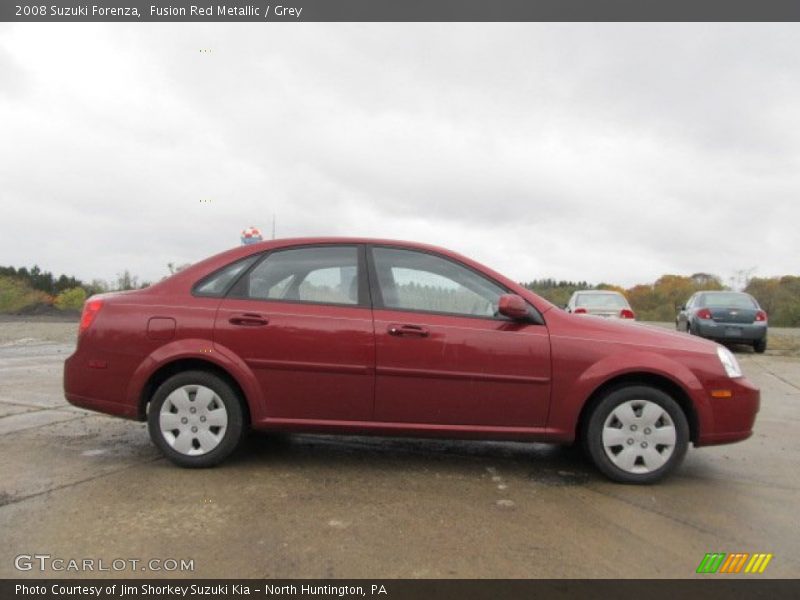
{"x":363,"y":336}
{"x":728,"y":317}
{"x":602,"y":303}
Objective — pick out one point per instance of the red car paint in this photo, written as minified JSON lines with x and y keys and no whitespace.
{"x":355,"y":369}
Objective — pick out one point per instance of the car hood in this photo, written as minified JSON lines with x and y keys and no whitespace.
{"x":635,"y":333}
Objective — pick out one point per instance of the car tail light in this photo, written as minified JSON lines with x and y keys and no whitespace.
{"x":90,"y":310}
{"x":761,"y":316}
{"x":703,"y":313}
{"x":626,"y":313}
{"x":579,"y":311}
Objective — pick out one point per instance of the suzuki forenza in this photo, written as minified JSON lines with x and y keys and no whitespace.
{"x":365,"y":336}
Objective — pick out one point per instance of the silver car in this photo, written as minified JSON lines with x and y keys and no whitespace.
{"x":602,"y":303}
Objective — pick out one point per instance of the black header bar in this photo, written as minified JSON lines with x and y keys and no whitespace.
{"x":400,"y":10}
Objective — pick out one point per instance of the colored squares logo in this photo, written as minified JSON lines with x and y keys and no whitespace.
{"x":736,"y":562}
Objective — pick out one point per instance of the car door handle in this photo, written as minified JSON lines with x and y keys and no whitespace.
{"x":248,"y":320}
{"x":408,"y":331}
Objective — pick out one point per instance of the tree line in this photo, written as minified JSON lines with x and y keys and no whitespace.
{"x":24,"y":288}
{"x":661,"y":300}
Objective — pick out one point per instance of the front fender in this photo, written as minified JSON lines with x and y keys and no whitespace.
{"x":198,"y":349}
{"x":625,"y":362}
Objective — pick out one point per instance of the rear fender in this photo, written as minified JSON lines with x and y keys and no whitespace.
{"x":198,"y":349}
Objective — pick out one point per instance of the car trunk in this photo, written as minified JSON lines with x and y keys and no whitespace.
{"x":733,"y":315}
{"x":604,"y":312}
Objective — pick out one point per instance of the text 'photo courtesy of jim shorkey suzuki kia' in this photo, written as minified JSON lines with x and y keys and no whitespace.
{"x":364,"y":336}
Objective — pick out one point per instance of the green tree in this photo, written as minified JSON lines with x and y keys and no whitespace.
{"x":557,"y":292}
{"x":779,"y":297}
{"x":71,"y":299}
{"x":661,"y":300}
{"x":16,"y":294}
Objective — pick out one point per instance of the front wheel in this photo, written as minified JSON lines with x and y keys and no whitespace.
{"x":196,"y":419}
{"x":637,"y":434}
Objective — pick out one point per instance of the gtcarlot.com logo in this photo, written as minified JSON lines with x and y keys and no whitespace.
{"x":736,"y":562}
{"x":46,"y":562}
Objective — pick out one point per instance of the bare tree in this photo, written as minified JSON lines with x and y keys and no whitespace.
{"x":126,"y":281}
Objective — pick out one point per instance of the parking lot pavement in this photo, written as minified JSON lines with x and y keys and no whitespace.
{"x":81,"y":485}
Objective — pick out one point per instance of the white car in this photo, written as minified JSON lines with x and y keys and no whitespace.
{"x":602,"y":303}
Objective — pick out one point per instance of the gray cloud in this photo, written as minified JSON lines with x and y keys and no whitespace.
{"x":599,"y":152}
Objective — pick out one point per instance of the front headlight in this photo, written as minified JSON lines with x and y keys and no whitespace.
{"x":729,"y":362}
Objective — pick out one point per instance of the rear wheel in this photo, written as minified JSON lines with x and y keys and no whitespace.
{"x":637,"y":434}
{"x":760,"y":346}
{"x":196,"y":419}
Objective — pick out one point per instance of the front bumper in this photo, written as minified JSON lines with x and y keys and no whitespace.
{"x":731,"y":419}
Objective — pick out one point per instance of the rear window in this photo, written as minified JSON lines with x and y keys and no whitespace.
{"x":601,"y":301}
{"x":219,"y":281}
{"x":727,"y":300}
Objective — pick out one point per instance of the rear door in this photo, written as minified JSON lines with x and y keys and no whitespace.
{"x":301,"y":320}
{"x":444,"y":355}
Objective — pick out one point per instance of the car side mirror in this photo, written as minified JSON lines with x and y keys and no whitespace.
{"x":512,"y":306}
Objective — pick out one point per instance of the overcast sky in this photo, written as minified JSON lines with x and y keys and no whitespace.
{"x":590,"y":152}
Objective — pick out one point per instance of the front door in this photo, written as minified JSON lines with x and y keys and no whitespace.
{"x":443,"y":353}
{"x":301,"y":320}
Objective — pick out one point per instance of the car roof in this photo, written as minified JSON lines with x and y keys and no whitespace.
{"x":190,"y":275}
{"x":301,"y":241}
{"x":311,"y":241}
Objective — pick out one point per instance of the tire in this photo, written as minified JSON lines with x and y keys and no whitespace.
{"x":196,"y":419}
{"x":651,"y":428}
{"x":760,"y":346}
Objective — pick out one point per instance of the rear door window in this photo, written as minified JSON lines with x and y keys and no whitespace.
{"x":323,"y":275}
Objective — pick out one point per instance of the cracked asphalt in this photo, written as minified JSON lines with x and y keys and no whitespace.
{"x":81,"y":485}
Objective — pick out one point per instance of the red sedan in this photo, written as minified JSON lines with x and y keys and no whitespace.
{"x":395,"y":338}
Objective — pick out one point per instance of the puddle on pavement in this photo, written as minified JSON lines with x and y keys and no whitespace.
{"x":560,"y":477}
